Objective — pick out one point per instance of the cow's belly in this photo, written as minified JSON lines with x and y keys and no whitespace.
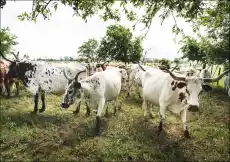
{"x":176,"y":108}
{"x":152,"y":94}
{"x":112,"y":90}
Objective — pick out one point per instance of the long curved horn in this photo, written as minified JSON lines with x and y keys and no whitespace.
{"x":174,"y":67}
{"x":76,"y":77}
{"x":16,"y":56}
{"x":141,"y":67}
{"x":171,"y":74}
{"x":66,"y":76}
{"x":217,"y":78}
{"x":6,"y":58}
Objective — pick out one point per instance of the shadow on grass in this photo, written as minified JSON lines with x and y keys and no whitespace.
{"x":219,"y":93}
{"x":162,"y":147}
{"x":36,"y":120}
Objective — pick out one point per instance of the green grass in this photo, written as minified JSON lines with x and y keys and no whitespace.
{"x":59,"y":135}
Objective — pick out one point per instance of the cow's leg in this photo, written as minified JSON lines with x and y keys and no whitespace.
{"x":129,"y":87}
{"x":149,"y":106}
{"x":114,"y":107}
{"x":77,"y":110}
{"x":144,"y":105}
{"x":99,"y":111}
{"x":35,"y":103}
{"x":87,"y":109}
{"x":107,"y":110}
{"x":7,"y":87}
{"x":138,"y":90}
{"x":1,"y":88}
{"x":162,"y":117}
{"x":17,"y":88}
{"x":184,"y":122}
{"x":43,"y":102}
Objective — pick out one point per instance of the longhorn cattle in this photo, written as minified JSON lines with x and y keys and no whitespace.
{"x":94,"y":90}
{"x":179,"y":94}
{"x":43,"y":77}
{"x":5,"y":81}
{"x":135,"y":77}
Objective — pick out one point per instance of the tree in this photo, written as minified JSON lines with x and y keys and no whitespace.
{"x":88,"y":51}
{"x":213,"y":47}
{"x":87,"y":8}
{"x":176,"y":61}
{"x":118,"y":45}
{"x":8,"y":41}
{"x":165,"y":62}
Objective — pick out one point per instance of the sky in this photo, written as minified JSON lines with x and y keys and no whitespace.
{"x":63,"y":34}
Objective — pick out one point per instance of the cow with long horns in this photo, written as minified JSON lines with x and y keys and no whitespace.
{"x":177,"y":93}
{"x":6,"y":81}
{"x":95,"y":90}
{"x":43,"y":77}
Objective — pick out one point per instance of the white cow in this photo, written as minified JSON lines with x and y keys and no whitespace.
{"x":124,"y":76}
{"x":44,"y":77}
{"x":179,"y":94}
{"x":135,"y":77}
{"x":95,"y":90}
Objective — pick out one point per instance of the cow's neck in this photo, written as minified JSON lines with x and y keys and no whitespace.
{"x":22,"y":69}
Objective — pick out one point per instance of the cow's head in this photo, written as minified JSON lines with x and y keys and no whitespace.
{"x":17,"y":68}
{"x":193,"y":85}
{"x":73,"y":89}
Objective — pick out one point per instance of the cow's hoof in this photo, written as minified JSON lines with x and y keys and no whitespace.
{"x":87,"y":114}
{"x":151,"y":115}
{"x":76,"y":112}
{"x":33,"y":112}
{"x":107,"y":115}
{"x":97,"y":133}
{"x":186,"y":134}
{"x":41,"y":110}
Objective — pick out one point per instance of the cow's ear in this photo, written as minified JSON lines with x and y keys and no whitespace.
{"x":206,"y":87}
{"x":181,"y":84}
{"x":77,"y":85}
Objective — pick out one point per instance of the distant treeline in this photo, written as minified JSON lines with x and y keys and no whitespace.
{"x":66,"y":58}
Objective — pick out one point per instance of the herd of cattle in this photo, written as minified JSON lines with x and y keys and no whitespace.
{"x":97,"y":84}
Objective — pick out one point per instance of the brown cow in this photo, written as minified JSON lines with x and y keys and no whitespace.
{"x":6,"y":81}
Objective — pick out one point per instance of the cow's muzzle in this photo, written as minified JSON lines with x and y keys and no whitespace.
{"x":193,"y":108}
{"x":64,"y":105}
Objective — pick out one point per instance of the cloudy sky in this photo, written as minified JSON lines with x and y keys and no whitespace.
{"x":63,"y":34}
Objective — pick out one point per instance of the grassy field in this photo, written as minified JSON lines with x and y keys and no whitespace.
{"x":60,"y":135}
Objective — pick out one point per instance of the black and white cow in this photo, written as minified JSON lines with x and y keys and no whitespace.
{"x":178,"y":94}
{"x":95,"y":90}
{"x":44,"y":77}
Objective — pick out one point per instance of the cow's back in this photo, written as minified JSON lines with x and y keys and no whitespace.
{"x":110,"y":83}
{"x":155,"y":83}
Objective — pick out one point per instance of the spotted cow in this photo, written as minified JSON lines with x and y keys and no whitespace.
{"x":94,"y":90}
{"x":178,"y":94}
{"x":43,"y":77}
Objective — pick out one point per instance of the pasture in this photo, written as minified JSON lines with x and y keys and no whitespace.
{"x":60,"y":135}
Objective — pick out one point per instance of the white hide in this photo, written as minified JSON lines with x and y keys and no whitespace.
{"x":50,"y":77}
{"x":108,"y":89}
